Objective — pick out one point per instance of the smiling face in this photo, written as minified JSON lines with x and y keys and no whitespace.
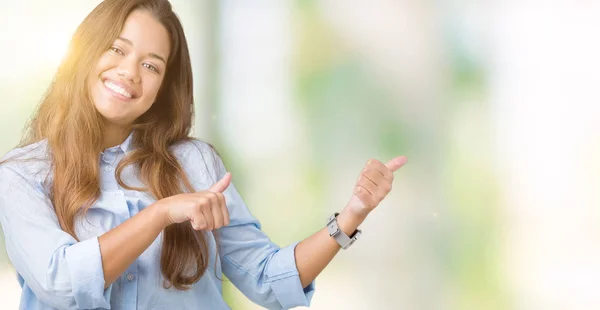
{"x":127,"y":77}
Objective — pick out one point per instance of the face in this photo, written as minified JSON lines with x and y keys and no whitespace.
{"x":128,"y":75}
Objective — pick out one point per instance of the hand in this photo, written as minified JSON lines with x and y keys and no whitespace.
{"x":373,"y":185}
{"x":205,"y":209}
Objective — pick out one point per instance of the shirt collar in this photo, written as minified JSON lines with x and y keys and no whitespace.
{"x":126,"y":146}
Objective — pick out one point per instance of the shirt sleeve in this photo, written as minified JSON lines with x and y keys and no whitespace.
{"x":62,"y":272}
{"x":260,"y":269}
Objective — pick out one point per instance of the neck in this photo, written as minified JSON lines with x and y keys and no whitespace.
{"x":114,"y":135}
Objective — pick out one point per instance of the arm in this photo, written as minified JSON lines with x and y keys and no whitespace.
{"x":259,"y":268}
{"x":317,"y":251}
{"x":281,"y":278}
{"x":62,"y":272}
{"x":70,"y":274}
{"x":122,"y":245}
{"x":314,"y":253}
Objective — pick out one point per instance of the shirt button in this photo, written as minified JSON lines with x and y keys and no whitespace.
{"x":108,"y":168}
{"x":130,"y":277}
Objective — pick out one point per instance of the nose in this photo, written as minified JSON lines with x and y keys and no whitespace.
{"x":128,"y":70}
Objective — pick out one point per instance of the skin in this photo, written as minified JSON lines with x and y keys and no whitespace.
{"x":135,"y":62}
{"x":131,"y":63}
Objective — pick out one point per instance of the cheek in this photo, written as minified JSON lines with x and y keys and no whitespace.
{"x":104,"y":63}
{"x":151,"y":89}
{"x":155,"y":86}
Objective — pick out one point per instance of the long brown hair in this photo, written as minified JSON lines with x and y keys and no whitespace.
{"x":67,"y":118}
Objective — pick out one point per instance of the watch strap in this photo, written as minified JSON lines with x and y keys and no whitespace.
{"x":342,"y":239}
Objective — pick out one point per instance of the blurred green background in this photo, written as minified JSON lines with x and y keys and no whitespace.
{"x":493,"y":104}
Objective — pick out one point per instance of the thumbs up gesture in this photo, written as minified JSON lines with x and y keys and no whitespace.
{"x":373,"y":185}
{"x":204,"y":210}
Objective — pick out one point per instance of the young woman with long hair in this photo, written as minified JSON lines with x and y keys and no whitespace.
{"x":109,"y":203}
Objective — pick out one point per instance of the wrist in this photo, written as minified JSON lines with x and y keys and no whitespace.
{"x":348,"y":220}
{"x":160,"y":214}
{"x":356,"y":208}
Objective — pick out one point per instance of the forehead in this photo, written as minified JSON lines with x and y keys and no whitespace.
{"x":146,"y":33}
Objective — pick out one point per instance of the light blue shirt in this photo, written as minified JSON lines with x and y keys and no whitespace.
{"x":56,"y":271}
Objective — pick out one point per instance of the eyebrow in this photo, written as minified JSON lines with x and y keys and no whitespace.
{"x":153,"y":55}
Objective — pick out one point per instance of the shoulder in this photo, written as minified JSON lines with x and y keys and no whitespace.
{"x":199,"y":160}
{"x":29,"y":160}
{"x":192,"y":147}
{"x":29,"y":164}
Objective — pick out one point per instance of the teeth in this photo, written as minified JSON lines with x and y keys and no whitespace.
{"x":117,"y":89}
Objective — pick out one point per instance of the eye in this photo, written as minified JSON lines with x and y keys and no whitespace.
{"x":150,"y":67}
{"x":117,"y":50}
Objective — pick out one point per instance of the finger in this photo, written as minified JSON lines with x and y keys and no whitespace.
{"x":208,"y":216}
{"x":217,"y":213}
{"x":381,"y":168}
{"x":224,"y":210}
{"x":384,"y":186}
{"x":371,"y":187}
{"x":207,"y":200}
{"x":373,"y":176}
{"x":222,"y":184}
{"x":396,"y":163}
{"x":195,"y":215}
{"x":197,"y":221}
{"x":363,"y":178}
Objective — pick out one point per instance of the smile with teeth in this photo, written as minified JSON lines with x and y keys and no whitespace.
{"x":117,"y":89}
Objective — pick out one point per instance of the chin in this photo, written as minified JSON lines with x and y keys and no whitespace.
{"x":115,"y":121}
{"x":112,"y":116}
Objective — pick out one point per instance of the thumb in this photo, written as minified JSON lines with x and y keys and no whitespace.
{"x":222,"y":184}
{"x":396,"y":163}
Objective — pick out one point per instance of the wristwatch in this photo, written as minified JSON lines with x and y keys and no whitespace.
{"x":344,"y":240}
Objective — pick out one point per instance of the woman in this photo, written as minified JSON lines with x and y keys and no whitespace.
{"x":109,"y":204}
